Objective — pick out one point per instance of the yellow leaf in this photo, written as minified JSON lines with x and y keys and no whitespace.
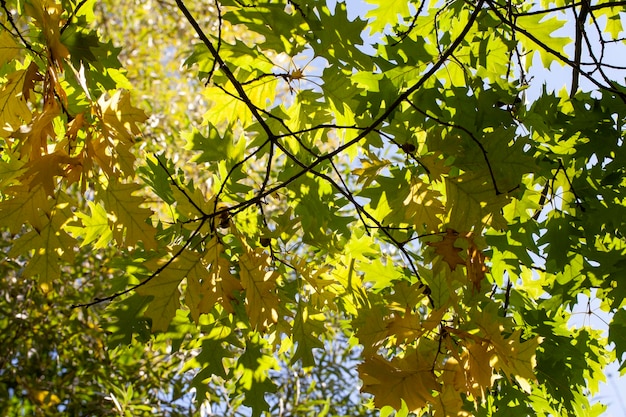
{"x":120,"y":117}
{"x":259,"y":281}
{"x":95,"y":228}
{"x":43,"y":398}
{"x":371,"y":325}
{"x":449,"y":403}
{"x":406,"y":327}
{"x":41,"y":129}
{"x":436,"y":166}
{"x":48,"y":14}
{"x":226,"y":108}
{"x":164,"y":287}
{"x":477,"y":362}
{"x":8,"y":48}
{"x":370,"y":168}
{"x":411,"y":381}
{"x":13,"y":109}
{"x":475,"y":265}
{"x":317,"y":284}
{"x":221,"y":287}
{"x":423,"y":207}
{"x":49,"y":246}
{"x":42,"y":171}
{"x":511,"y":356}
{"x":133,"y":221}
{"x":25,"y":206}
{"x":410,"y":326}
{"x":518,"y":359}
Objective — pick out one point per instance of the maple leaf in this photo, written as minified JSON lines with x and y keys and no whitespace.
{"x":446,"y":249}
{"x":403,"y":379}
{"x":133,"y":221}
{"x":260,"y":284}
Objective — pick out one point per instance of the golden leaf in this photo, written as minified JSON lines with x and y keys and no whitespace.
{"x":475,"y":265}
{"x":133,"y":220}
{"x":477,"y":363}
{"x":8,"y":48}
{"x":401,"y":379}
{"x":259,"y":281}
{"x":48,"y":14}
{"x":423,"y":207}
{"x":164,"y":287}
{"x":446,"y":249}
{"x":220,"y":287}
{"x":120,"y":118}
{"x":13,"y":109}
{"x":42,"y":171}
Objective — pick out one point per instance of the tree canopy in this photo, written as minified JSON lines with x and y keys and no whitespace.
{"x":302,"y":207}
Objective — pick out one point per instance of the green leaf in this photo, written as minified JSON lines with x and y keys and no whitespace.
{"x":542,"y":29}
{"x":95,"y":228}
{"x":386,"y":13}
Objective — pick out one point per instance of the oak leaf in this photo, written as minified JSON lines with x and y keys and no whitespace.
{"x":475,"y":264}
{"x":48,"y":14}
{"x":132,"y":224}
{"x":13,"y":109}
{"x":517,"y":358}
{"x":259,"y":281}
{"x":164,"y":286}
{"x":423,"y":207}
{"x":49,"y":244}
{"x":120,"y":118}
{"x":8,"y":48}
{"x":221,"y":286}
{"x":446,"y":249}
{"x":401,"y":379}
{"x":37,"y":134}
{"x":42,"y":171}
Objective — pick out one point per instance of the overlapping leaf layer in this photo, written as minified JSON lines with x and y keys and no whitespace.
{"x":405,"y":176}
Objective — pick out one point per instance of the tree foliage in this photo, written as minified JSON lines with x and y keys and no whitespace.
{"x":266,"y":185}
